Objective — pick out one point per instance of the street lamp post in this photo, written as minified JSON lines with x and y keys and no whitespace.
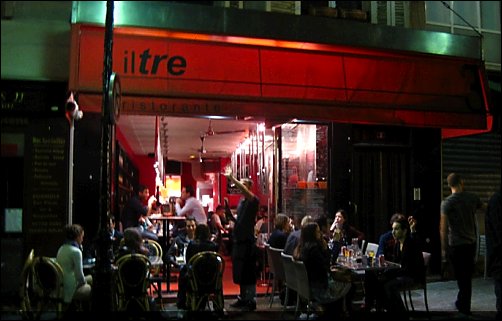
{"x":102,"y":285}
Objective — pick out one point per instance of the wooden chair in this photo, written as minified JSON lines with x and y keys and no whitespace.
{"x":132,"y":281}
{"x":205,"y":281}
{"x":418,"y":286}
{"x":276,"y":268}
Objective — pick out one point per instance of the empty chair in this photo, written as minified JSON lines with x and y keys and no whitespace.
{"x":132,"y":281}
{"x":205,"y":281}
{"x":276,"y":268}
{"x":418,"y":286}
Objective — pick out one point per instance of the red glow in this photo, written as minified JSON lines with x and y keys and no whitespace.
{"x":394,"y":87}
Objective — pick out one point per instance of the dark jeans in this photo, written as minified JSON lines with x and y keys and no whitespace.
{"x":462,"y":261}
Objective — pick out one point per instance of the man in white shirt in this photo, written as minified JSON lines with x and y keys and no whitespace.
{"x":192,"y":207}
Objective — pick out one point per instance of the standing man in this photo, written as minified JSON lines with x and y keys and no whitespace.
{"x":493,"y":230}
{"x":458,"y":231}
{"x":192,"y":207}
{"x":244,"y":248}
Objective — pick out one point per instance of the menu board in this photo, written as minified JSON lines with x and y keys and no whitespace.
{"x":46,"y":177}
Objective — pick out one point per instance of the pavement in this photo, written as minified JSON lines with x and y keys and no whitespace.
{"x":441,"y":298}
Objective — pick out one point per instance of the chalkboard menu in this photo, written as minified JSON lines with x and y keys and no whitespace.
{"x":47,"y":175}
{"x":46,"y":182}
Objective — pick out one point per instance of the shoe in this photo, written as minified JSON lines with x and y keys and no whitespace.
{"x":249,"y":306}
{"x":238,"y":304}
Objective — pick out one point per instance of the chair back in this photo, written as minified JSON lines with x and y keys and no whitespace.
{"x":302,"y":279}
{"x":205,"y":280}
{"x":289,"y":271}
{"x":26,"y":287}
{"x":154,"y":249}
{"x":275,"y":263}
{"x":44,"y":287}
{"x":132,"y":282}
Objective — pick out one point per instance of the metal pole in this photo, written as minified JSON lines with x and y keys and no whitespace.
{"x":102,"y":285}
{"x":70,"y":172}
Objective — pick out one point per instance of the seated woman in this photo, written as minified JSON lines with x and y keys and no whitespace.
{"x":313,"y":251}
{"x":343,"y":233}
{"x":69,"y":256}
{"x":133,"y":243}
{"x":200,"y":243}
{"x":408,"y":254}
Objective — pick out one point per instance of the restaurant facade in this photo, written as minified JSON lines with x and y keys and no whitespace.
{"x":377,"y":101}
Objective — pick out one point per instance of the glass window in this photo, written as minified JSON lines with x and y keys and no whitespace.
{"x":490,"y":15}
{"x":467,"y":10}
{"x":304,"y":169}
{"x":436,"y":12}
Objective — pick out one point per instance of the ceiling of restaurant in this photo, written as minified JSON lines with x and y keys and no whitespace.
{"x":183,"y":136}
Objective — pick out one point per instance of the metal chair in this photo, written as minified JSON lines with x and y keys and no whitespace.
{"x":418,"y":286}
{"x":132,"y":281}
{"x":205,"y":281}
{"x":26,"y":288}
{"x":303,"y":285}
{"x":157,"y":272}
{"x":276,"y":268}
{"x":291,"y":281}
{"x":43,"y":287}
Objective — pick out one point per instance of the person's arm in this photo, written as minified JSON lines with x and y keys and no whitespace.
{"x":443,"y":233}
{"x":78,"y":267}
{"x":381,"y":244}
{"x":186,"y":210}
{"x":247,"y":193}
{"x":217,"y":222}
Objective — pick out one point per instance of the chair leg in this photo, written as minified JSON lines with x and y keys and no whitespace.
{"x":411,"y":301}
{"x":405,"y":299}
{"x":297,"y":304}
{"x":271,"y":299}
{"x":426,"y":303}
{"x":285,"y":301}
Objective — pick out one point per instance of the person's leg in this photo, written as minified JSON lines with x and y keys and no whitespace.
{"x":181,"y":296}
{"x":462,"y":259}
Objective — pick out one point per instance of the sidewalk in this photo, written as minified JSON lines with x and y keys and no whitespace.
{"x":441,"y":297}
